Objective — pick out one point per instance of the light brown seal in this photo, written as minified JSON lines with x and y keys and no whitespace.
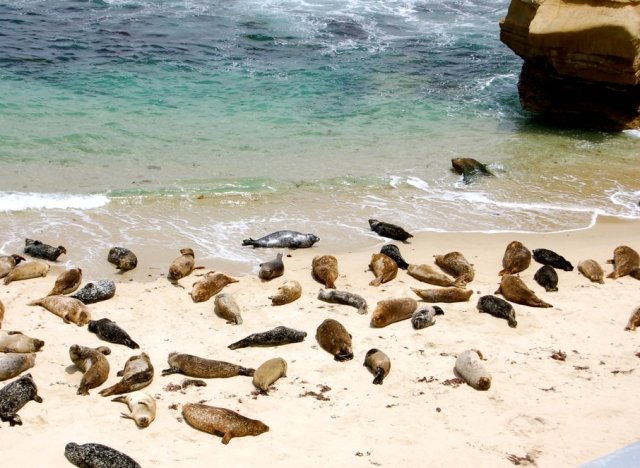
{"x":67,"y":308}
{"x":67,"y":282}
{"x":625,"y":261}
{"x":392,"y":310}
{"x":195,"y":366}
{"x":592,"y":270}
{"x":325,"y":270}
{"x":268,"y":372}
{"x":272,"y":269}
{"x":1,"y":313}
{"x":447,"y":295}
{"x":378,"y":364}
{"x":468,"y":168}
{"x":137,"y":374}
{"x":427,"y":274}
{"x":210,"y":285}
{"x":142,"y":407}
{"x":182,"y":266}
{"x":383,"y":267}
{"x":513,"y":289}
{"x":288,"y":292}
{"x":221,"y":421}
{"x":516,"y":258}
{"x":13,"y":364}
{"x":226,"y":307}
{"x":8,"y":263}
{"x":93,"y":363}
{"x":27,"y":270}
{"x":17,"y":342}
{"x":335,"y":339}
{"x":457,"y":266}
{"x":469,"y":367}
{"x":634,"y":320}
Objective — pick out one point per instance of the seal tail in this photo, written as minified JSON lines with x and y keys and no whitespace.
{"x":379,"y":376}
{"x":120,"y":387}
{"x":132,"y":344}
{"x":246,"y":371}
{"x":36,"y":302}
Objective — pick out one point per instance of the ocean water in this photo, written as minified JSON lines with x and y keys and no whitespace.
{"x":162,"y":124}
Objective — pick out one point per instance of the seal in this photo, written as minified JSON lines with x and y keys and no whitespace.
{"x":268,"y":372}
{"x":287,"y":293}
{"x":223,"y":421}
{"x":425,"y":316}
{"x":392,"y":310}
{"x":67,"y":282}
{"x":283,"y":239}
{"x":429,"y":275}
{"x":108,"y":330}
{"x":194,"y":366}
{"x":210,"y":285}
{"x":1,"y":313}
{"x":324,"y":269}
{"x":93,"y":363}
{"x":226,"y":307}
{"x":516,"y":258}
{"x":344,"y":298}
{"x":378,"y":364}
{"x":625,"y":261}
{"x":498,"y":308}
{"x":97,"y":456}
{"x":547,"y":277}
{"x":137,"y":374}
{"x":592,"y":270}
{"x":16,"y":342}
{"x":8,"y":263}
{"x":384,"y":269}
{"x":142,"y":407}
{"x":182,"y":266}
{"x":468,"y":168}
{"x":272,"y":269}
{"x":469,"y":367}
{"x":14,"y":396}
{"x":275,"y":337}
{"x":389,"y":230}
{"x":457,"y":266}
{"x":27,"y":270}
{"x":393,"y":252}
{"x":335,"y":339}
{"x":634,"y":320}
{"x":549,"y":257}
{"x":37,"y":249}
{"x":69,"y":309}
{"x":13,"y":364}
{"x":123,"y":259}
{"x":513,"y":289}
{"x":447,"y":295}
{"x":96,"y":291}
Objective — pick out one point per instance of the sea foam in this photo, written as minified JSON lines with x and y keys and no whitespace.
{"x":20,"y":201}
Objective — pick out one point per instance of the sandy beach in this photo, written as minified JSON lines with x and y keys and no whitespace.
{"x":539,"y":410}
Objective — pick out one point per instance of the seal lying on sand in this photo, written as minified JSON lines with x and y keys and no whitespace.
{"x":457,"y":266}
{"x":221,"y":421}
{"x":16,"y":342}
{"x":468,"y":168}
{"x":592,"y":270}
{"x":345,"y":298}
{"x":272,"y":269}
{"x":137,"y":374}
{"x":547,"y":277}
{"x":195,"y":366}
{"x":516,"y":258}
{"x":425,"y":316}
{"x":123,"y":259}
{"x":96,"y":291}
{"x":549,"y":257}
{"x":427,"y":274}
{"x":469,"y":367}
{"x":498,"y":308}
{"x":93,"y":363}
{"x":142,"y":407}
{"x":324,"y":269}
{"x":182,"y":266}
{"x":446,"y":295}
{"x":284,"y":239}
{"x":35,"y":248}
{"x":210,"y":285}
{"x":14,"y":396}
{"x":378,"y":364}
{"x":626,"y":261}
{"x":13,"y":364}
{"x":384,"y":269}
{"x":289,"y":291}
{"x":335,"y":339}
{"x":389,"y":230}
{"x":67,"y":282}
{"x":268,"y":372}
{"x":27,"y":270}
{"x":275,"y":337}
{"x":389,"y":311}
{"x":108,"y":330}
{"x":69,"y":309}
{"x":393,"y":252}
{"x":226,"y":307}
{"x":8,"y":263}
{"x":97,"y":456}
{"x":513,"y":289}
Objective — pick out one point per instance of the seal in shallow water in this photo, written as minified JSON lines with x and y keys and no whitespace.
{"x":94,"y":365}
{"x":27,"y":270}
{"x":268,"y":372}
{"x":97,"y":456}
{"x":108,"y":330}
{"x":288,"y":292}
{"x":69,"y":309}
{"x":335,"y":339}
{"x":195,"y":366}
{"x":378,"y":364}
{"x":383,"y":268}
{"x":8,"y":263}
{"x":123,"y":259}
{"x":513,"y":289}
{"x":142,"y":407}
{"x":13,"y":364}
{"x":272,"y":269}
{"x":389,"y":230}
{"x":516,"y":258}
{"x":137,"y":374}
{"x":37,"y":249}
{"x":324,"y":269}
{"x":67,"y":282}
{"x":393,"y":252}
{"x":389,"y":311}
{"x":345,"y":298}
{"x":498,"y":307}
{"x":275,"y":337}
{"x":17,"y":342}
{"x":468,"y":168}
{"x":549,"y":257}
{"x":626,"y":261}
{"x":592,"y":270}
{"x":14,"y":396}
{"x":221,"y":421}
{"x":96,"y":291}
{"x":283,"y":239}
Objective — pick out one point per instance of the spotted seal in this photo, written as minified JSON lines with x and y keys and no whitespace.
{"x":13,"y":364}
{"x":69,"y":309}
{"x":389,"y":230}
{"x":513,"y":289}
{"x":275,"y":337}
{"x":94,"y":365}
{"x":268,"y":373}
{"x":97,"y":456}
{"x":8,"y":263}
{"x":447,"y":295}
{"x":425,"y":316}
{"x":592,"y":270}
{"x":498,"y":307}
{"x":468,"y":168}
{"x":182,"y":266}
{"x":271,"y":269}
{"x":290,"y":291}
{"x":626,"y":261}
{"x":335,"y":339}
{"x":210,"y":285}
{"x":223,"y":421}
{"x":142,"y":407}
{"x":549,"y":257}
{"x":344,"y":298}
{"x":226,"y":307}
{"x":283,"y":239}
{"x":96,"y":291}
{"x":389,"y":311}
{"x":378,"y":364}
{"x":137,"y":374}
{"x":14,"y":396}
{"x":324,"y":269}
{"x":427,"y":274}
{"x":37,"y":249}
{"x":123,"y":259}
{"x":67,"y":282}
{"x":108,"y":330}
{"x":195,"y":366}
{"x":547,"y":277}
{"x":393,"y":252}
{"x":17,"y":342}
{"x":469,"y":366}
{"x":454,"y":264}
{"x":383,"y":268}
{"x":516,"y":258}
{"x":27,"y":270}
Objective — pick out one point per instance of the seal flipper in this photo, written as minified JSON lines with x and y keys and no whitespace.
{"x":379,"y":376}
{"x":343,"y":356}
{"x":246,"y":371}
{"x":13,"y":418}
{"x":171,"y":370}
{"x":438,"y":310}
{"x":227,"y":437}
{"x":249,"y":241}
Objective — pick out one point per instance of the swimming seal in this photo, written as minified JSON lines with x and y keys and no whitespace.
{"x":210,"y":285}
{"x":8,"y":263}
{"x":142,"y":407}
{"x":468,"y":168}
{"x":108,"y":330}
{"x":378,"y":364}
{"x":97,"y":456}
{"x":268,"y":372}
{"x":335,"y":339}
{"x":498,"y":308}
{"x":123,"y":259}
{"x":513,"y":289}
{"x":389,"y":230}
{"x":226,"y":307}
{"x":324,"y":269}
{"x":425,"y":316}
{"x":96,"y":291}
{"x":283,"y":239}
{"x":195,"y":366}
{"x":549,"y":257}
{"x":626,"y":261}
{"x":37,"y":249}
{"x":69,"y":309}
{"x":27,"y":270}
{"x":345,"y":298}
{"x":634,"y":320}
{"x":516,"y":258}
{"x":392,"y":310}
{"x":393,"y":252}
{"x":221,"y":421}
{"x":16,"y":342}
{"x":137,"y":374}
{"x":470,"y":368}
{"x":14,"y":396}
{"x":429,"y":275}
{"x":457,"y":266}
{"x":383,"y":268}
{"x":287,"y":293}
{"x":275,"y":337}
{"x":67,"y":282}
{"x":592,"y":270}
{"x":547,"y":277}
{"x":94,"y":365}
{"x":447,"y":295}
{"x":181,"y":266}
{"x":13,"y":364}
{"x":272,"y":269}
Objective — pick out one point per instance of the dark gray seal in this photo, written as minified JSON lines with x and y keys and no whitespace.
{"x":108,"y":330}
{"x":35,"y":248}
{"x":392,"y":251}
{"x":97,"y":456}
{"x":425,"y":316}
{"x":275,"y":337}
{"x":547,"y":277}
{"x":96,"y":291}
{"x":344,"y":298}
{"x":284,"y":239}
{"x":123,"y":259}
{"x":272,"y":269}
{"x":549,"y":257}
{"x":14,"y":396}
{"x":389,"y":230}
{"x":468,"y":168}
{"x":498,"y":308}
